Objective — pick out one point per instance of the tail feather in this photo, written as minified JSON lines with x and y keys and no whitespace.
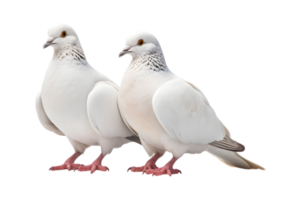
{"x":134,"y":138}
{"x":228,"y":144}
{"x":227,"y":151}
{"x":233,"y":158}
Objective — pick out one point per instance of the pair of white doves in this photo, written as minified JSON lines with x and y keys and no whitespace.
{"x":153,"y":107}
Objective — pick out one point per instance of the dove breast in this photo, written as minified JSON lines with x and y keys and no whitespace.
{"x":64,"y":98}
{"x":135,"y":103}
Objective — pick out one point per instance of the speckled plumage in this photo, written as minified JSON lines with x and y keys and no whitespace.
{"x":71,"y":52}
{"x":153,"y":62}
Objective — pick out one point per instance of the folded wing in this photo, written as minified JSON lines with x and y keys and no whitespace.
{"x":103,"y":111}
{"x":185,"y":113}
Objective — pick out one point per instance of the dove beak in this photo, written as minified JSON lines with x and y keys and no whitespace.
{"x":49,"y":42}
{"x":125,"y":51}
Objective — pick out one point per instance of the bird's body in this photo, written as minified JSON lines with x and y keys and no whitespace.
{"x":169,"y":113}
{"x":139,"y":85}
{"x":64,"y":94}
{"x":80,"y":103}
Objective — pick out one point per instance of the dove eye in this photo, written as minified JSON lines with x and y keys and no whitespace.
{"x":140,"y":42}
{"x":64,"y":34}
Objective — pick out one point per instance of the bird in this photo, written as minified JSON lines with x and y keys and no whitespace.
{"x":78,"y":102}
{"x":169,"y":113}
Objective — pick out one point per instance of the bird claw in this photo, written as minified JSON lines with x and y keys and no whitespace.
{"x":92,"y":168}
{"x":129,"y":169}
{"x":68,"y":166}
{"x":138,"y":169}
{"x":162,"y":171}
{"x":150,"y":165}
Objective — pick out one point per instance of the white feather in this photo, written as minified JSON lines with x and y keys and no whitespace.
{"x":185,"y":114}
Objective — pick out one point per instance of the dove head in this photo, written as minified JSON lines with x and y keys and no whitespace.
{"x":141,"y":44}
{"x":61,"y":35}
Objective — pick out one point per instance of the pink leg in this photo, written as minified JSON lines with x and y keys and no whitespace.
{"x":149,"y":165}
{"x":167,"y":169}
{"x":69,"y":164}
{"x":96,"y":165}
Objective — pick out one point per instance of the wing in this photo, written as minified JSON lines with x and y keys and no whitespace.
{"x":103,"y":111}
{"x":185,"y":113}
{"x":132,"y":138}
{"x":100,"y":77}
{"x":227,"y":143}
{"x":45,"y":121}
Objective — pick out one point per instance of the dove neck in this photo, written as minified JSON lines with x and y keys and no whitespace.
{"x":155,"y":62}
{"x":70,"y":52}
{"x":149,"y":61}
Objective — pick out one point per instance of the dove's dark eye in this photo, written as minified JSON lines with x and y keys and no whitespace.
{"x":63,"y":34}
{"x":141,"y":42}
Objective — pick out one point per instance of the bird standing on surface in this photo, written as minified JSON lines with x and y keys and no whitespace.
{"x":169,"y":113}
{"x":78,"y":102}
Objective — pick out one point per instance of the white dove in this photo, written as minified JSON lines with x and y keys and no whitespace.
{"x":169,"y":113}
{"x":78,"y":102}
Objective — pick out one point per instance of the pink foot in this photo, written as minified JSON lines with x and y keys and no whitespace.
{"x":148,"y":166}
{"x":69,"y":164}
{"x":96,"y":165}
{"x":162,"y":171}
{"x":167,"y":169}
{"x":92,"y":167}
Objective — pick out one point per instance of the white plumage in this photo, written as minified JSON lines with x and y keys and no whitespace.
{"x":78,"y":102}
{"x":169,"y":113}
{"x":186,"y":114}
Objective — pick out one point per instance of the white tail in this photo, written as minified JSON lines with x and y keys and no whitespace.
{"x":234,"y":158}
